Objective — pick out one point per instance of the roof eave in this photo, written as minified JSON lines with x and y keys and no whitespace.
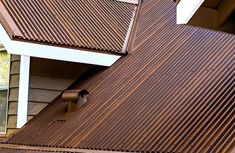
{"x":56,"y":53}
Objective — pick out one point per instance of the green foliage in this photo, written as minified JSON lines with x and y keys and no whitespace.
{"x":3,"y":53}
{"x":4,"y":69}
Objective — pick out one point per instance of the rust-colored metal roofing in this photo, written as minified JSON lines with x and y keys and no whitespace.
{"x":92,"y":24}
{"x":173,"y":93}
{"x":7,"y":150}
{"x":11,"y":148}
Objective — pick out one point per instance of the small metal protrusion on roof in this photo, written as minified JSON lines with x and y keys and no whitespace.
{"x":70,"y":95}
{"x":75,"y":99}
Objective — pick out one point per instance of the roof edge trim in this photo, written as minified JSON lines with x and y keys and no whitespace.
{"x":56,"y":53}
{"x":129,"y":1}
{"x":186,"y":9}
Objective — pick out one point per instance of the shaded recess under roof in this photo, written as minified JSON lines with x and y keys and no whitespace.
{"x":90,"y":24}
{"x":216,"y":15}
{"x":174,"y":93}
{"x":212,"y":3}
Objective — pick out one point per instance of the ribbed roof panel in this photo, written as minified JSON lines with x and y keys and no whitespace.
{"x":93,"y":24}
{"x":174,"y":93}
{"x":6,"y":150}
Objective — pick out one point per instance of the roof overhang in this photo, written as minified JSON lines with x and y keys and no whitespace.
{"x":54,"y":52}
{"x":186,"y":9}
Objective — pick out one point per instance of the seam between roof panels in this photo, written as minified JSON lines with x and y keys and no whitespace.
{"x":129,"y":31}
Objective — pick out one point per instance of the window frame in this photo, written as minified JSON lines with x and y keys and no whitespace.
{"x":7,"y":89}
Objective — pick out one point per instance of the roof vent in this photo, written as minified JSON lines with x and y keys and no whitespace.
{"x":75,"y":99}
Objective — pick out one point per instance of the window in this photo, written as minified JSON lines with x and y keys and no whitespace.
{"x":4,"y":81}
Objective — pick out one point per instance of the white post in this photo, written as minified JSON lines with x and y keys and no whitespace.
{"x":23,"y":91}
{"x":186,"y":9}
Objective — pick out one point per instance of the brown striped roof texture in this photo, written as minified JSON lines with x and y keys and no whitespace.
{"x":173,"y":93}
{"x":11,"y":148}
{"x":6,"y":150}
{"x":92,"y":24}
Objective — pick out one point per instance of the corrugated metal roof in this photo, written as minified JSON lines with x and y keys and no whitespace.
{"x":11,"y":148}
{"x":174,"y":93}
{"x":93,"y":24}
{"x":7,"y":150}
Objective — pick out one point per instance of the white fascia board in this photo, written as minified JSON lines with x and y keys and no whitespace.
{"x":23,"y":91}
{"x":186,"y":9}
{"x":129,"y":1}
{"x":56,"y":53}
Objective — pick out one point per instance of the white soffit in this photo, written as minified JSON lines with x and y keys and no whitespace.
{"x":56,"y":53}
{"x":129,"y":1}
{"x":186,"y":9}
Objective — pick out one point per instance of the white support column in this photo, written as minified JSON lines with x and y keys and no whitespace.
{"x":186,"y":9}
{"x":23,"y":91}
